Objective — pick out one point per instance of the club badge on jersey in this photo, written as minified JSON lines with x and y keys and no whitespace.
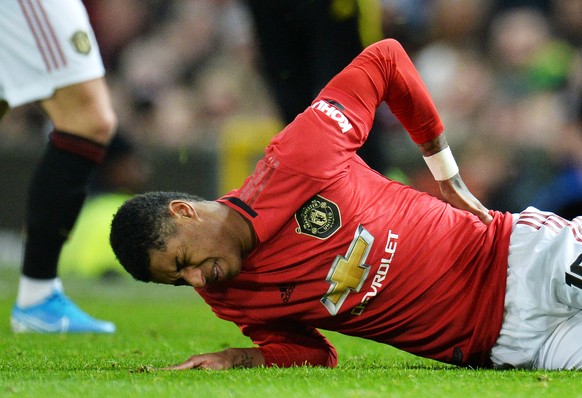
{"x":81,"y":42}
{"x":318,"y":217}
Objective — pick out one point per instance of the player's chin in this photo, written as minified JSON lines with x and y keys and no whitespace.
{"x":228,"y":270}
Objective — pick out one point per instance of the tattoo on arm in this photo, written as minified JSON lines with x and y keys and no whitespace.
{"x":433,"y":146}
{"x":246,"y":361}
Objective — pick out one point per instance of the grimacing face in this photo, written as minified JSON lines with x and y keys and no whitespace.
{"x":201,"y":253}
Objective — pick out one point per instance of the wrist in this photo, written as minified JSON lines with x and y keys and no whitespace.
{"x":242,"y":357}
{"x":442,"y":164}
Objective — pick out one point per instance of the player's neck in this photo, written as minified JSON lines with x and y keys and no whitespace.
{"x":241,"y":230}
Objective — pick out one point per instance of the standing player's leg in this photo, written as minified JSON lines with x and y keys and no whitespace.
{"x":84,"y":123}
{"x":49,"y":54}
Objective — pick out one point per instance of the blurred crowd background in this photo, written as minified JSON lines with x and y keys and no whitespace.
{"x":187,"y":77}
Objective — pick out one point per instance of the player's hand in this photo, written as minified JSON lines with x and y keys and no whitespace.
{"x":227,"y":359}
{"x":213,"y":361}
{"x":458,"y":195}
{"x":442,"y":164}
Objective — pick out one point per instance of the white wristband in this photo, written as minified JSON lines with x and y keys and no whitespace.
{"x":442,"y":164}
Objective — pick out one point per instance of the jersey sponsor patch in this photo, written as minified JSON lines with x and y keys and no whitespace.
{"x":333,"y":110}
{"x":318,"y":217}
{"x":81,"y":42}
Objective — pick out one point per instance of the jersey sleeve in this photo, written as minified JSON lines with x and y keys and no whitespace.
{"x":291,"y":344}
{"x":321,"y":139}
{"x":384,"y":72}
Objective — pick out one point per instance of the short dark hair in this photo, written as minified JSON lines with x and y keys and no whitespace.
{"x":141,"y":224}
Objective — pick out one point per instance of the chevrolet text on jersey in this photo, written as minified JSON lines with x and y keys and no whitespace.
{"x":334,"y":114}
{"x":378,"y":280}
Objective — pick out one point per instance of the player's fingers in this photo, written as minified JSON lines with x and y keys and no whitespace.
{"x":482,"y":212}
{"x":189,"y":364}
{"x":176,"y":367}
{"x":485,"y":217}
{"x":457,"y":194}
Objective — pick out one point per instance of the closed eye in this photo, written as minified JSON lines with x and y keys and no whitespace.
{"x":180,"y":282}
{"x":179,"y":267}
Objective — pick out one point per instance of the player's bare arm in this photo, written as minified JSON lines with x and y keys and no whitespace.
{"x":222,"y":360}
{"x":444,"y":168}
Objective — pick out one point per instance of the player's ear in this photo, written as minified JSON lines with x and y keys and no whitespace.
{"x":182,"y":209}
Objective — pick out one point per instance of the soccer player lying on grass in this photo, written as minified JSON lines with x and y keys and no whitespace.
{"x":315,"y":239}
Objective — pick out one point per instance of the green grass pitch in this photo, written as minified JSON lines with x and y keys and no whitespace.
{"x":163,"y":325}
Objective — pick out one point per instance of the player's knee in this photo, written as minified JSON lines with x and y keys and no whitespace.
{"x":103,"y":127}
{"x":109,"y":124}
{"x":98,"y":125}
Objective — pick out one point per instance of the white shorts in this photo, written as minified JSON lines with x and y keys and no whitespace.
{"x":542,"y":325}
{"x":45,"y":45}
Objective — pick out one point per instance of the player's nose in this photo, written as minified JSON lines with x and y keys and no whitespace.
{"x":194,"y":277}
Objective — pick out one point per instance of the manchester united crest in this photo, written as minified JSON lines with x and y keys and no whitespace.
{"x":81,"y":42}
{"x":319,"y":217}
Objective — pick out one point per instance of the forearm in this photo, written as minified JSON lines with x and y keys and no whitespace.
{"x":433,"y":146}
{"x":282,"y":355}
{"x":245,"y":357}
{"x":439,"y":158}
{"x":292,"y":344}
{"x":222,"y":360}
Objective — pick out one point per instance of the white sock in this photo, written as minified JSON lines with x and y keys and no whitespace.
{"x":33,"y":291}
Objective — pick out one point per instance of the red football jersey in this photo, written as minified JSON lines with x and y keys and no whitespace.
{"x":343,"y":248}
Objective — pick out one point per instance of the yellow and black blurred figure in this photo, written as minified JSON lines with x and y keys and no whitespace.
{"x":304,"y":43}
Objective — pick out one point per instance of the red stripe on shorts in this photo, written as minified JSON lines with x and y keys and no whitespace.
{"x":552,"y":221}
{"x":43,"y":33}
{"x":51,"y":33}
{"x":576,"y":226}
